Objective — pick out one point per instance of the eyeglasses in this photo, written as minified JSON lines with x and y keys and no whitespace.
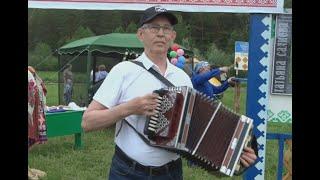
{"x":155,"y":28}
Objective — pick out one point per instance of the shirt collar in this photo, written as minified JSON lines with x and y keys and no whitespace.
{"x":148,"y":64}
{"x":146,"y":61}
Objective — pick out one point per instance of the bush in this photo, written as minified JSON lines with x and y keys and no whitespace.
{"x":132,"y":28}
{"x":42,"y":58}
{"x":81,"y":32}
{"x":218,"y":57}
{"x":119,"y":30}
{"x":48,"y":76}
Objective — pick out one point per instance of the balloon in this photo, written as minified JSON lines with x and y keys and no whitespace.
{"x":180,"y":52}
{"x":180,"y":65}
{"x":173,"y":54}
{"x":174,"y":61}
{"x":182,"y":59}
{"x":175,"y":47}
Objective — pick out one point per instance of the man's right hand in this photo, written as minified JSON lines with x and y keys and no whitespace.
{"x":145,"y":105}
{"x":97,"y":116}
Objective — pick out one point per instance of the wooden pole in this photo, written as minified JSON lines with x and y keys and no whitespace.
{"x":236,"y":99}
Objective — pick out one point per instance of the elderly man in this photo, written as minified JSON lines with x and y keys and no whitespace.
{"x":127,"y":93}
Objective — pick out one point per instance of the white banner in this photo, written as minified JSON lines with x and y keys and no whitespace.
{"x":236,"y":6}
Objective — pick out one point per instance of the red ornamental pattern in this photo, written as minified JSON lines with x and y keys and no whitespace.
{"x":37,"y":132}
{"x":245,"y":3}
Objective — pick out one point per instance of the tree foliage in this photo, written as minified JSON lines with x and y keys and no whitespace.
{"x":132,"y":27}
{"x":119,"y":30}
{"x":201,"y":29}
{"x":218,"y":57}
{"x":81,"y":32}
{"x":42,"y":58}
{"x":210,"y":35}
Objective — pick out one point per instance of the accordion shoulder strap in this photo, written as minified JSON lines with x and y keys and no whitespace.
{"x":141,"y":136}
{"x":155,"y":73}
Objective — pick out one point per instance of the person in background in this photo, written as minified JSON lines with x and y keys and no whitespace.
{"x":67,"y":91}
{"x":68,"y":84}
{"x":102,"y":72}
{"x":217,"y":81}
{"x":203,"y":73}
{"x":96,"y":72}
{"x":37,"y":131}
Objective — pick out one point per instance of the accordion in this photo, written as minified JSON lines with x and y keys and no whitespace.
{"x":199,"y":128}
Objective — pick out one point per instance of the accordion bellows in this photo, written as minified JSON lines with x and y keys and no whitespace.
{"x":199,"y":128}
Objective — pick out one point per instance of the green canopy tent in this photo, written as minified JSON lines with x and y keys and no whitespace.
{"x":85,"y":54}
{"x":114,"y":42}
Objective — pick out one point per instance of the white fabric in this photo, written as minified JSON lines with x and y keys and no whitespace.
{"x":125,"y":82}
{"x":31,"y":95}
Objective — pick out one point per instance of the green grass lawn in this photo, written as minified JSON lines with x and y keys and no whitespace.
{"x":79,"y":91}
{"x":52,"y":94}
{"x":60,"y":161}
{"x":52,"y":76}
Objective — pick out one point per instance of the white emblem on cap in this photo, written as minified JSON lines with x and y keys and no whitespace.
{"x":159,"y":9}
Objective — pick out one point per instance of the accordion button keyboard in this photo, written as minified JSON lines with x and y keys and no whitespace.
{"x":151,"y":129}
{"x":153,"y":122}
{"x":153,"y":125}
{"x":154,"y":118}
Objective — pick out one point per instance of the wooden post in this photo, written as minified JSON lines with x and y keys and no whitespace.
{"x":236,"y":99}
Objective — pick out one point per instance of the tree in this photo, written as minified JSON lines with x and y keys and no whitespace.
{"x":80,"y":33}
{"x":236,"y":36}
{"x":182,"y":29}
{"x":42,"y":58}
{"x":194,"y":30}
{"x":132,"y":27}
{"x":187,"y":43}
{"x":61,"y":24}
{"x":119,"y":30}
{"x":218,"y":57}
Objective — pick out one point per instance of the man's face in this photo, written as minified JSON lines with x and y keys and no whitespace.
{"x":204,"y":69}
{"x":157,"y":40}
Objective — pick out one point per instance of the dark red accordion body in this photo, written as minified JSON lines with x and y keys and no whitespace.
{"x":199,"y":128}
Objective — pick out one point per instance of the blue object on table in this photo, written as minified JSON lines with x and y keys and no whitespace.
{"x":56,"y":110}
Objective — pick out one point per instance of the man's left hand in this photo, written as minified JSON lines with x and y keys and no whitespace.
{"x":248,"y":157}
{"x":231,"y":81}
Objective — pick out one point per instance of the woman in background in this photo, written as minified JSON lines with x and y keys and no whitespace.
{"x":37,"y":131}
{"x":68,"y":84}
